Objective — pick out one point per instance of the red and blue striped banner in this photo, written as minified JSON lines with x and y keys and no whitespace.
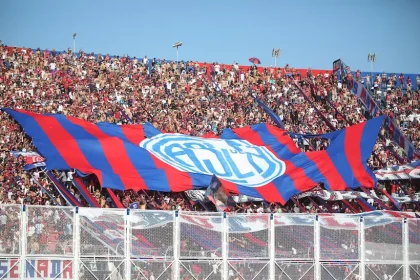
{"x":260,"y":161}
{"x":115,"y":199}
{"x":366,"y":206}
{"x":65,"y":193}
{"x":78,"y":183}
{"x":276,"y":119}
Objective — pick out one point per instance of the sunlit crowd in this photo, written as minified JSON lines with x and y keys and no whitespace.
{"x":190,"y":98}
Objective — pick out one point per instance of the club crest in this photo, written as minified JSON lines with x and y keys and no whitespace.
{"x":237,"y":161}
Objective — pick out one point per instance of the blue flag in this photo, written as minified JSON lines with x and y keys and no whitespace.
{"x":218,"y":195}
{"x":134,"y":205}
{"x":271,"y":113}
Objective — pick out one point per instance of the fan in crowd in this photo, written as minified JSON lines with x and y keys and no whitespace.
{"x":190,"y":98}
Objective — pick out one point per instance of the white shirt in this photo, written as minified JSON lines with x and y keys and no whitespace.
{"x":38,"y":228}
{"x":334,"y":122}
{"x":70,"y":176}
{"x":3,"y":219}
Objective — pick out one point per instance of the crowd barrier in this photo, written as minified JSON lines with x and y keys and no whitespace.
{"x":119,"y":244}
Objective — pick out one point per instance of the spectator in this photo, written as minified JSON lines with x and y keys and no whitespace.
{"x":188,"y":97}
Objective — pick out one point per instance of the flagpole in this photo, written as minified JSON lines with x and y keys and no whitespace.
{"x":371,"y":59}
{"x":74,"y":43}
{"x":177,"y":45}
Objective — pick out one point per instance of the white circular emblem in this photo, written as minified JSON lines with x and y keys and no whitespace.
{"x":237,"y":161}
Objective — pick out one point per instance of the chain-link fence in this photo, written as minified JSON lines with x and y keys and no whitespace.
{"x":10,"y":230}
{"x":118,"y":244}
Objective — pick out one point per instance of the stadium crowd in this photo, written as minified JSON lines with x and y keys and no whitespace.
{"x":190,"y":98}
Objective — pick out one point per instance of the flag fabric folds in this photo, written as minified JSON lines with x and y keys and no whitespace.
{"x":80,"y":186}
{"x":32,"y":159}
{"x":394,"y":201}
{"x":217,"y":194}
{"x":260,"y":161}
{"x":409,"y":171}
{"x":114,"y":198}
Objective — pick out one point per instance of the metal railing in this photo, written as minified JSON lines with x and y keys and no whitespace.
{"x":97,"y":244}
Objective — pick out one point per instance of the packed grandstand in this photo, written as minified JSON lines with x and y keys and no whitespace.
{"x":195,"y":99}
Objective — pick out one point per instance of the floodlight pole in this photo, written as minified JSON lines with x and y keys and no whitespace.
{"x":371,"y":59}
{"x":177,"y":45}
{"x":74,"y":43}
{"x":275,"y":53}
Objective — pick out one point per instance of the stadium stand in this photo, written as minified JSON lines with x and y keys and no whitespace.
{"x":195,"y":99}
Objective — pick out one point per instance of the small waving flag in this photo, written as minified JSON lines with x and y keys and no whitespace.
{"x":217,"y":194}
{"x":276,"y":119}
{"x":255,"y":60}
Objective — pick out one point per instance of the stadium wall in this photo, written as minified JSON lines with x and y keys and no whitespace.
{"x":92,"y":243}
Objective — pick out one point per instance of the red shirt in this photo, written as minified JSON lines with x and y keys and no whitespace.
{"x":393,"y":188}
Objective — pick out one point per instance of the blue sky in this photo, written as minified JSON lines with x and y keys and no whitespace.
{"x":310,"y":33}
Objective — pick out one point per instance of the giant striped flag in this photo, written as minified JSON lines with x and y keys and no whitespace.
{"x":260,"y":161}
